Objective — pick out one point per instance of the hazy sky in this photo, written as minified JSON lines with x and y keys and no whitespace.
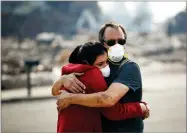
{"x":161,"y":10}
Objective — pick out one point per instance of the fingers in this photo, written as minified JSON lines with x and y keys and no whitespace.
{"x":74,"y":89}
{"x":146,"y":114}
{"x":59,"y":105}
{"x":57,"y":109}
{"x":78,"y":81}
{"x":62,"y":106}
{"x":145,"y":109}
{"x":148,"y":108}
{"x":57,"y":102}
{"x":79,"y":85}
{"x":73,"y":84}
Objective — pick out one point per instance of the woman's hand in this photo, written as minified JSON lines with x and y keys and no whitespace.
{"x":145,"y":110}
{"x":63,"y":100}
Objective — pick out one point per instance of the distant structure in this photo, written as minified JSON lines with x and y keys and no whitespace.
{"x":29,"y":18}
{"x":27,"y":7}
{"x":118,"y":13}
{"x":143,"y":19}
{"x":86,"y":23}
{"x":177,"y":24}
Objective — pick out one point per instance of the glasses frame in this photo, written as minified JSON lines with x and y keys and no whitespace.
{"x":112,"y":42}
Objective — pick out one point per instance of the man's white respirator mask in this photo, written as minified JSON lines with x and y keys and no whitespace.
{"x":116,"y":53}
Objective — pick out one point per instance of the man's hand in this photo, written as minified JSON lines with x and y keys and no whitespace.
{"x":63,"y":100}
{"x":145,"y":110}
{"x":71,"y":83}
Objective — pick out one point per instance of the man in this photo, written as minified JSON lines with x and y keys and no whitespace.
{"x":125,"y":83}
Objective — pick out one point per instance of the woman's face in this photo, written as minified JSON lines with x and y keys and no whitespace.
{"x":101,"y":60}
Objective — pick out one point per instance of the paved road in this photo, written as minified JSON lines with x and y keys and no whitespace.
{"x":165,"y":94}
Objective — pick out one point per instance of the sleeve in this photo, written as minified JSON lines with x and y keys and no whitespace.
{"x":130,"y":76}
{"x":62,"y":70}
{"x":95,"y":80}
{"x":122,"y":111}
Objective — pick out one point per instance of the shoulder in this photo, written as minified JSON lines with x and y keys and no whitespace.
{"x":129,"y":74}
{"x":130,"y":65}
{"x":78,"y":68}
{"x":93,"y":71}
{"x":63,"y":69}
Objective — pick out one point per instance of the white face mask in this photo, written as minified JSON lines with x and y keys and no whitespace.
{"x":105,"y":71}
{"x":116,"y":53}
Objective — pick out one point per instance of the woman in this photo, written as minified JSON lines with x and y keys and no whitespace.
{"x":90,"y":59}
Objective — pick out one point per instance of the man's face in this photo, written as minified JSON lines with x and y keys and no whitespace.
{"x":112,"y":33}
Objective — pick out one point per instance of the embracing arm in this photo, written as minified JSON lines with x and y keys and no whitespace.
{"x":130,"y":75}
{"x":101,"y":99}
{"x":68,"y":82}
{"x":124,"y":111}
{"x":128,"y":78}
{"x":56,"y":87}
{"x":109,"y":97}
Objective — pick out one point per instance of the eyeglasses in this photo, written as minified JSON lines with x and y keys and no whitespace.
{"x":112,"y":42}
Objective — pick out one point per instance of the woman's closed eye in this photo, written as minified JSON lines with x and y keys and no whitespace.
{"x":100,"y":64}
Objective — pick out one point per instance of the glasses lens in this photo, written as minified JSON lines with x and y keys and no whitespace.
{"x":121,"y":41}
{"x":111,"y":42}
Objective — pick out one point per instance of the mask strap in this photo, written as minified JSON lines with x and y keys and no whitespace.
{"x":125,"y":55}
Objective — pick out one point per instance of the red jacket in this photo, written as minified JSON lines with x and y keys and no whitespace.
{"x":78,"y":118}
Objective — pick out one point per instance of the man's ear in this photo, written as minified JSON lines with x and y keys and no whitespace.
{"x":105,"y":45}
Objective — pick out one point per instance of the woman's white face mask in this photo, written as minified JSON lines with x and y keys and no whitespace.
{"x":105,"y":71}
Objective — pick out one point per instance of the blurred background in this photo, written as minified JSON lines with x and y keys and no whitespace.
{"x":37,"y":38}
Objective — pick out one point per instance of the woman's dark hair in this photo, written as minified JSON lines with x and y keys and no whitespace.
{"x":87,"y":53}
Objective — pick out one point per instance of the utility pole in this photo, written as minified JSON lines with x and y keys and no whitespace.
{"x":29,"y":64}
